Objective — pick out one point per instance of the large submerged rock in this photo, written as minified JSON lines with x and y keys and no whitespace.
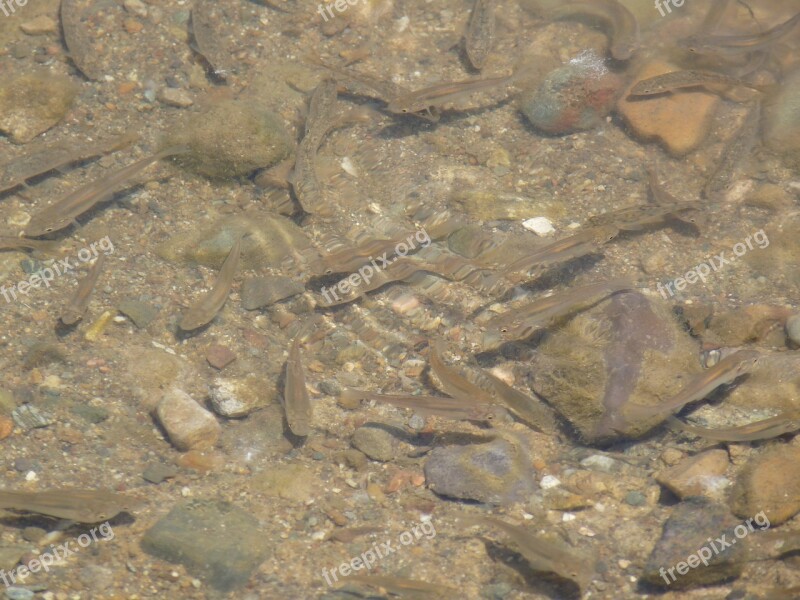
{"x":628,"y":348}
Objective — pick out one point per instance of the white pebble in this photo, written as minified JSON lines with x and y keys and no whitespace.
{"x":549,"y":481}
{"x":539,"y":225}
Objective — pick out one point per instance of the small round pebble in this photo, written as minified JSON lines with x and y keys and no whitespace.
{"x":793,"y":329}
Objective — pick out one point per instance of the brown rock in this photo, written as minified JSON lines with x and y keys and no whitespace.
{"x":770,"y":482}
{"x":189,"y":425}
{"x":700,"y":475}
{"x":679,"y":121}
{"x":219,"y":356}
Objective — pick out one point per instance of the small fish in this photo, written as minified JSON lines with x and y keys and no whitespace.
{"x":83,"y":506}
{"x":547,"y":553}
{"x":18,"y":170}
{"x":454,"y":383}
{"x":479,"y":38}
{"x":635,"y":218}
{"x":726,"y":371}
{"x":531,"y":411}
{"x":64,"y":211}
{"x":295,"y":394}
{"x":404,"y":588}
{"x":207,"y":16}
{"x":437,"y":406}
{"x":435,"y":96}
{"x":74,"y":310}
{"x":735,"y":153}
{"x":10,"y":242}
{"x":676,"y":80}
{"x":519,"y":324}
{"x":624,"y":27}
{"x":739,"y":44}
{"x":78,"y":39}
{"x":208,"y":305}
{"x":765,"y":429}
{"x":586,"y":241}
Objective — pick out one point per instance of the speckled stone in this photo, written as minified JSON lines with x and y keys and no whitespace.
{"x":496,"y":473}
{"x":215,"y":541}
{"x":769,"y":482}
{"x":375,"y":442}
{"x":699,"y":475}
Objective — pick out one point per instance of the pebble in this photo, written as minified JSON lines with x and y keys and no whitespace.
{"x":235,"y":398}
{"x":141,"y":313}
{"x":219,"y":356}
{"x":189,"y":425}
{"x":769,"y":482}
{"x":232,"y":139}
{"x":258,"y":292}
{"x":496,"y":473}
{"x":18,"y":593}
{"x":158,"y":472}
{"x":679,"y":122}
{"x":215,"y":540}
{"x":687,"y":530}
{"x":539,"y":225}
{"x":175,"y":97}
{"x":29,"y":417}
{"x":41,"y":25}
{"x":793,"y":329}
{"x":6,"y":427}
{"x":575,"y":97}
{"x":375,"y":442}
{"x":31,"y":104}
{"x":135,"y":7}
{"x":699,"y":475}
{"x":293,"y":482}
{"x":782,"y":117}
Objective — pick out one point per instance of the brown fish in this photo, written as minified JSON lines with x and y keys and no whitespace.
{"x":479,"y":38}
{"x":739,"y":44}
{"x":63,"y":212}
{"x":74,"y":310}
{"x":83,"y":506}
{"x":208,"y":305}
{"x":726,"y":371}
{"x":676,"y":80}
{"x":435,"y":96}
{"x":545,"y":553}
{"x":437,"y":406}
{"x":404,"y":588}
{"x":297,"y":403}
{"x":624,"y":27}
{"x":518,"y":324}
{"x":765,"y":429}
{"x":18,"y":170}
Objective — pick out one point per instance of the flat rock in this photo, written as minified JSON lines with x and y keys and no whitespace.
{"x":626,"y":349}
{"x":769,"y":482}
{"x":258,"y":292}
{"x":496,"y":473}
{"x":189,"y":425}
{"x":33,"y":103}
{"x":215,"y":541}
{"x":375,"y":442}
{"x":685,"y":534}
{"x":239,"y":397}
{"x":679,"y":121}
{"x":700,"y":475}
